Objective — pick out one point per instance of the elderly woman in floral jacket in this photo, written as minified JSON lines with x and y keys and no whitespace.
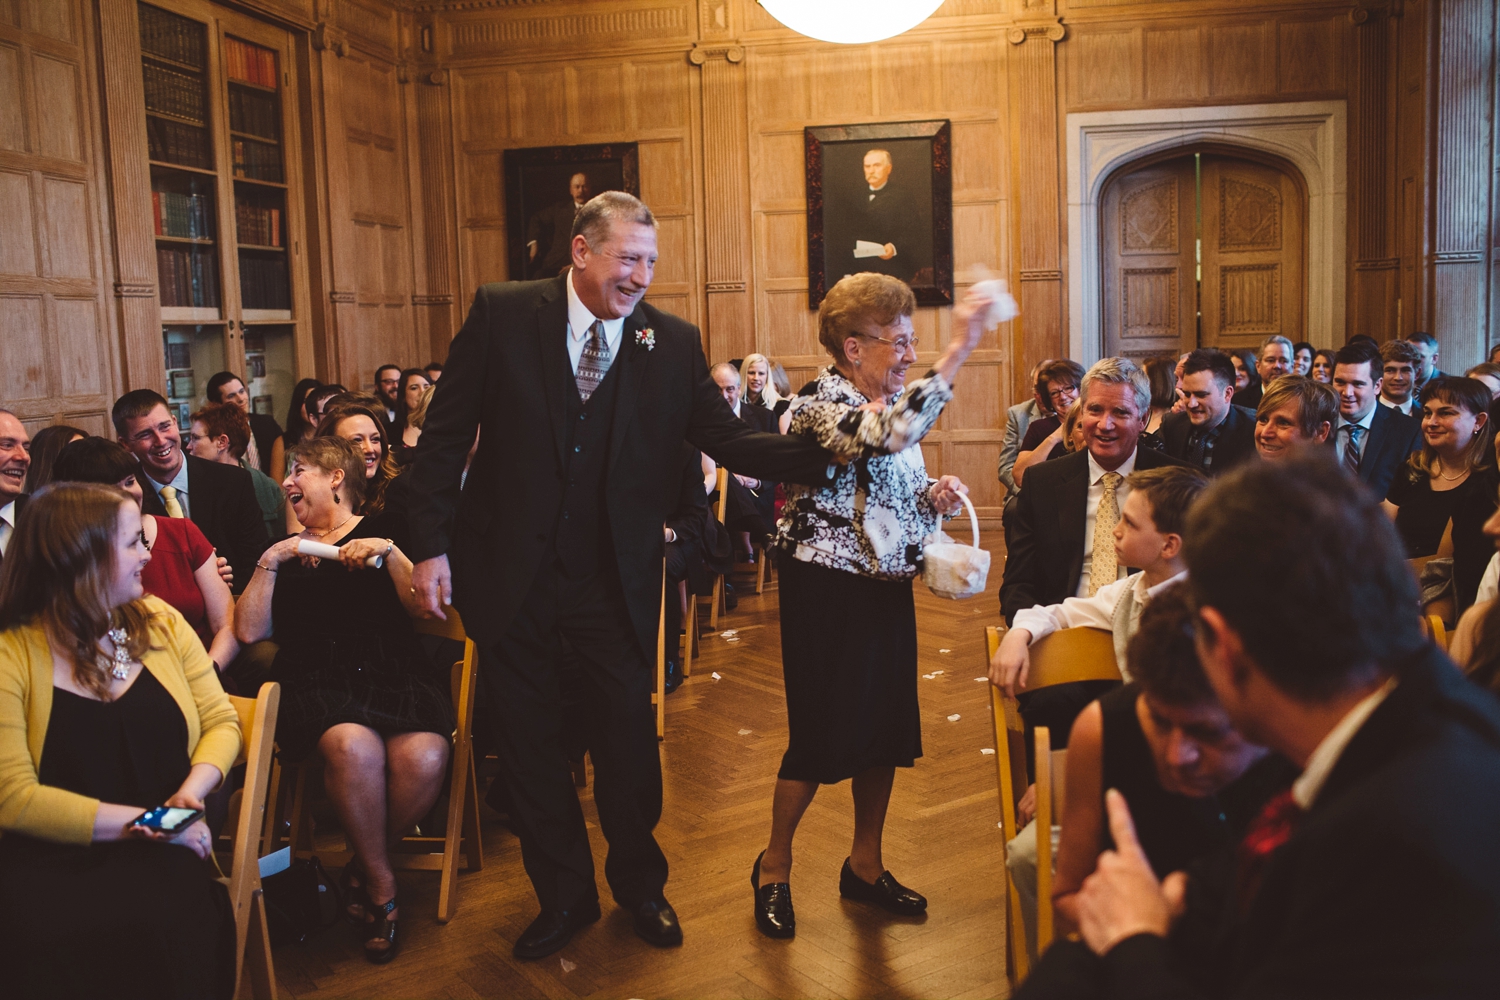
{"x":854,"y":546}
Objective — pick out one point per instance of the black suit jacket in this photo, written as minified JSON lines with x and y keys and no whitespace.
{"x":1235,"y":443}
{"x":221,"y":501}
{"x":1393,"y":437}
{"x":508,"y":376}
{"x":1390,"y":886}
{"x":1045,"y":557}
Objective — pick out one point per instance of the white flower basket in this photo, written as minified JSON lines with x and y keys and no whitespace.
{"x":953,"y":570}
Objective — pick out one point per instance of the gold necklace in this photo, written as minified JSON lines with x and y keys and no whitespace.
{"x":1451,"y":479}
{"x":336,"y":527}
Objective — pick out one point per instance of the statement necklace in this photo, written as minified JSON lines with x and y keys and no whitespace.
{"x":121,"y":670}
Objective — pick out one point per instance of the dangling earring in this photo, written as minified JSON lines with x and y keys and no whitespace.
{"x":335,"y":498}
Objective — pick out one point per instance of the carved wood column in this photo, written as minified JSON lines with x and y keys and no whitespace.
{"x":1463,"y":177}
{"x":1374,"y":286}
{"x":134,"y":247}
{"x":1039,"y":210}
{"x":437,"y":319}
{"x":730,"y":326}
{"x":339,"y":258}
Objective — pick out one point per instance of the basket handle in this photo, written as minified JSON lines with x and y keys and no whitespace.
{"x":973,"y":517}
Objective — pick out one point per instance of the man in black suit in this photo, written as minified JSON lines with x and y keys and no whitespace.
{"x":582,"y":394}
{"x":888,"y":212}
{"x":15,"y":460}
{"x":550,"y":231}
{"x":1376,"y":875}
{"x":220,"y":499}
{"x":752,"y":501}
{"x":1062,"y":544}
{"x":1213,"y":434}
{"x":1427,"y":355}
{"x":227,"y":387}
{"x":1370,"y":441}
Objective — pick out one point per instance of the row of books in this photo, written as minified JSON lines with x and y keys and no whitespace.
{"x":171,"y":141}
{"x":256,"y":161}
{"x":250,"y":63}
{"x":254,"y":111}
{"x":185,"y":215}
{"x":172,"y":92}
{"x":257,"y":224}
{"x":169,"y":36}
{"x":263,"y":282}
{"x":187,"y":277}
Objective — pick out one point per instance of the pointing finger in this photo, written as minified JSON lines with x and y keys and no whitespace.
{"x":1122,"y":827}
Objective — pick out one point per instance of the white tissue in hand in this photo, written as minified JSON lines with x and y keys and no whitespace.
{"x":1002,"y":305}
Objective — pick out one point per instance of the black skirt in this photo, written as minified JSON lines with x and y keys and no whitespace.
{"x":849,"y":659}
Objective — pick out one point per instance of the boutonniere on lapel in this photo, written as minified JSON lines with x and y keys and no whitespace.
{"x":646,"y":338}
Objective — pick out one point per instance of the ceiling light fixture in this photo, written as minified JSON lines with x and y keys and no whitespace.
{"x":851,"y":22}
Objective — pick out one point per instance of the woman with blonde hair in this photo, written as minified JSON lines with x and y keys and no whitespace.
{"x":760,"y":388}
{"x":109,"y":706}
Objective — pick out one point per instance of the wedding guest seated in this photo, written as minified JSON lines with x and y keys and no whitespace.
{"x":1302,"y":358}
{"x":1211,"y":432}
{"x":317,"y":402}
{"x":1065,"y":440}
{"x":434,"y":370}
{"x":1294,"y":412}
{"x":759,"y":389}
{"x":1371,"y":441}
{"x":299,"y":427}
{"x":412,"y":432}
{"x":1162,"y":374}
{"x":1322,"y":365}
{"x":1058,"y":382}
{"x":414,"y":382}
{"x":361,"y":426}
{"x":108,"y":707}
{"x":751,"y":511}
{"x":1451,"y":480}
{"x":1017,"y":419}
{"x":1399,"y":363}
{"x":15,"y":460}
{"x":227,"y":387}
{"x":1246,"y":377}
{"x":45,"y":446}
{"x":220,"y":433}
{"x":1488,"y":373}
{"x":357,"y":688}
{"x":182,"y":570}
{"x":1149,"y":535}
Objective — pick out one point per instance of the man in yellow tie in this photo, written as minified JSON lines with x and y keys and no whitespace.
{"x":220,"y":499}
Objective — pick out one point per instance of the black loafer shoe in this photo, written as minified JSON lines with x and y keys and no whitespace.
{"x":886,"y":892}
{"x":656,"y":923}
{"x":553,"y":929}
{"x":773,"y":905}
{"x":674,"y":676}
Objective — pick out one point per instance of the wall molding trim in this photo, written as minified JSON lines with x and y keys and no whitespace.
{"x":1312,"y":135}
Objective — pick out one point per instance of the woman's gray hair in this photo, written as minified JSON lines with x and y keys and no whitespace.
{"x":1119,"y":371}
{"x":602,"y":212}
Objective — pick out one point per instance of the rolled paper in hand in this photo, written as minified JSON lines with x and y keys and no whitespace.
{"x":325,"y":551}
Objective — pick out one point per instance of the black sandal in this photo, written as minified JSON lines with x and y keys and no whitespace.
{"x":386,"y":930}
{"x":354,"y":894}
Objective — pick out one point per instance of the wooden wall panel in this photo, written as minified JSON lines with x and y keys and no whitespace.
{"x":1241,"y":59}
{"x":1175,"y":57}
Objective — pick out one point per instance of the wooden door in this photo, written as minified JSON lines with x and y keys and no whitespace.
{"x":1254,"y":253}
{"x":1149,"y":267}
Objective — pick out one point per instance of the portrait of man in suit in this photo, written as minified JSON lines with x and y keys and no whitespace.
{"x":545,"y":189}
{"x":882,"y":218}
{"x":550,"y":230}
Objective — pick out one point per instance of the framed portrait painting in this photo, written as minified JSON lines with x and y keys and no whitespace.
{"x":544,"y":189}
{"x":880,"y":198}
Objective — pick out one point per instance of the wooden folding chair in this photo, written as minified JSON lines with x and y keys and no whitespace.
{"x":659,"y":696}
{"x":420,"y":852}
{"x":718,"y":595}
{"x":1065,"y":656}
{"x":1438,"y":631}
{"x":246,"y":807}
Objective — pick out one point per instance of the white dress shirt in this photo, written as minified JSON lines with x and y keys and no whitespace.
{"x":1341,"y":440}
{"x":1096,"y":493}
{"x":1097,"y":611}
{"x":7,"y":525}
{"x":1406,"y":407}
{"x":1306,"y":788}
{"x":579,"y":322}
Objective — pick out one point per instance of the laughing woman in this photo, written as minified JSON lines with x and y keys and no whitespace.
{"x":847,"y":555}
{"x":359,"y":691}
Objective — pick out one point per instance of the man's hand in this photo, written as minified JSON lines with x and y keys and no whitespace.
{"x":432,"y":582}
{"x":888,"y":251}
{"x":1122,"y":898}
{"x":1026,"y":808}
{"x":1012,"y":662}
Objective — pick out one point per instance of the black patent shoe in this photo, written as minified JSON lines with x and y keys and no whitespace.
{"x":773,"y":905}
{"x":384,"y":929}
{"x":655,"y":922}
{"x":553,"y":929}
{"x":886,"y":892}
{"x":674,"y":676}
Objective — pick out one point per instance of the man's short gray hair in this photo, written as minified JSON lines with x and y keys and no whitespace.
{"x":1119,"y":371}
{"x":1276,"y":338}
{"x":724,"y":366}
{"x":602,"y":212}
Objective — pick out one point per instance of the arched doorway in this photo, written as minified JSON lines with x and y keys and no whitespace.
{"x":1202,"y":248}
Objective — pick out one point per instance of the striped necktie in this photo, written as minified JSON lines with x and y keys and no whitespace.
{"x":1351,"y":448}
{"x":593,"y":363}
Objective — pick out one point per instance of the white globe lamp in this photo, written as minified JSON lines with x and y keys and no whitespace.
{"x":851,"y":22}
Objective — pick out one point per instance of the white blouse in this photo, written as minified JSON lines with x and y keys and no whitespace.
{"x":874,"y":517}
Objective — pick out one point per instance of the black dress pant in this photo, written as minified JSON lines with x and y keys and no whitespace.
{"x":570,"y":667}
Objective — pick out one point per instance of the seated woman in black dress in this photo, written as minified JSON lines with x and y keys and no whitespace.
{"x":358,"y":689}
{"x":1452,"y":479}
{"x":1164,"y":742}
{"x":108,"y":706}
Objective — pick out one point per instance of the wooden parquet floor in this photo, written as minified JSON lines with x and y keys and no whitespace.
{"x":723,"y":746}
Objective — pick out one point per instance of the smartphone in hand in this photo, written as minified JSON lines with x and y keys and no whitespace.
{"x":170,"y":820}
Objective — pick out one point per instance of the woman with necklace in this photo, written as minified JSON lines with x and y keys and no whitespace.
{"x":1451,"y":480}
{"x":358,"y":689}
{"x":109,"y":706}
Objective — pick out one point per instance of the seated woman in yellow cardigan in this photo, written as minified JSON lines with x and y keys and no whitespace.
{"x":109,"y":706}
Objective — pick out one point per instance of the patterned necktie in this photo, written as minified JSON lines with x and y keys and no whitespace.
{"x":169,"y":501}
{"x":593,"y":363}
{"x":1105,"y":566}
{"x":1351,"y":448}
{"x":1272,"y":828}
